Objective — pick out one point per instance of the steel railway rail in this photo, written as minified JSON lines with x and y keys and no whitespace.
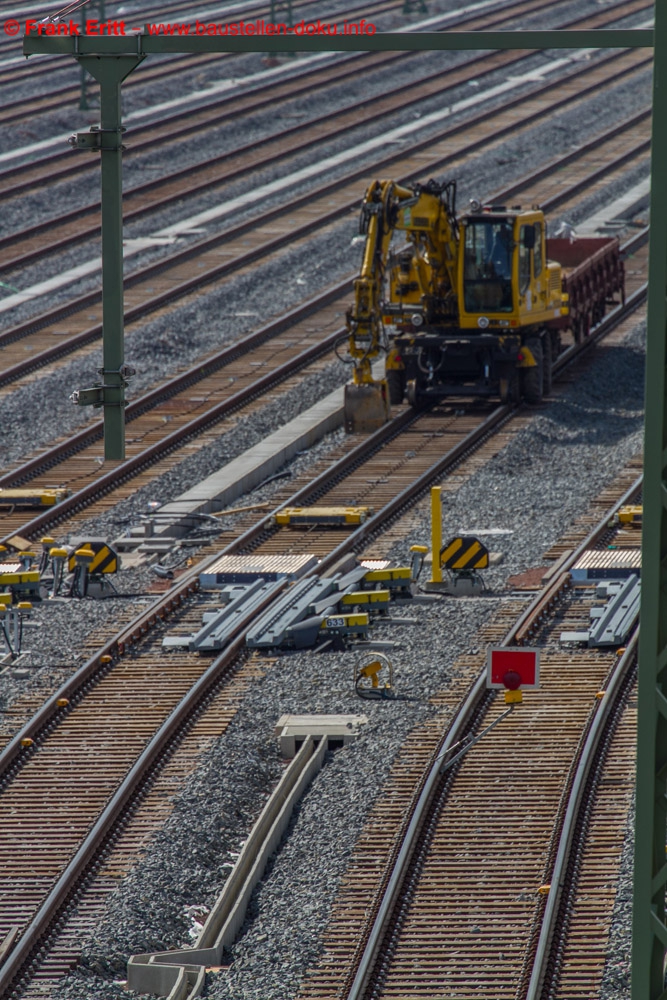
{"x":127,"y":662}
{"x":224,"y":382}
{"x":169,"y":280}
{"x":455,"y":905}
{"x":304,"y":80}
{"x":18,"y":249}
{"x":29,"y":245}
{"x":56,"y":99}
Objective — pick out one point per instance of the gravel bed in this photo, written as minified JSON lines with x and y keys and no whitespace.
{"x":161,"y":347}
{"x":533,"y":488}
{"x":229,"y":137}
{"x":616,"y":980}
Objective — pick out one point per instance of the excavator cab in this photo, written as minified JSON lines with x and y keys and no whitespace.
{"x":505,"y":280}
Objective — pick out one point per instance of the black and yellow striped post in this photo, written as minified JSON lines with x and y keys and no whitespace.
{"x":465,"y":553}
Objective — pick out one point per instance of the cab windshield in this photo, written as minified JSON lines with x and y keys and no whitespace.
{"x":487,"y":268}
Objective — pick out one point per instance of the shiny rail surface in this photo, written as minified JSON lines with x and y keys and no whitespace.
{"x":198,"y":265}
{"x":441,"y":859}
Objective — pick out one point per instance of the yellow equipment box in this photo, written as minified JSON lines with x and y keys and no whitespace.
{"x":35,"y":497}
{"x":630,"y":515}
{"x":374,"y":600}
{"x":354,"y":624}
{"x":332,"y":516}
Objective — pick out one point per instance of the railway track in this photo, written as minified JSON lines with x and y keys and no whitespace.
{"x":396,"y":465}
{"x":447,"y":897}
{"x":225,"y":108}
{"x":172,"y":280}
{"x":232,"y":169}
{"x":55,"y":99}
{"x":305,"y":80}
{"x":195,"y":402}
{"x":136,"y":661}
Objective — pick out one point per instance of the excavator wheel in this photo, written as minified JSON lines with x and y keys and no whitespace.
{"x":532,"y":379}
{"x":396,"y":383}
{"x":415,"y":397}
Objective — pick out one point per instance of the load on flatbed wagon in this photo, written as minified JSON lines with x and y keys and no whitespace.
{"x":593,"y":275}
{"x":465,"y":306}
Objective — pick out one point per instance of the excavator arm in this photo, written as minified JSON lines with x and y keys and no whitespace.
{"x":426,"y":214}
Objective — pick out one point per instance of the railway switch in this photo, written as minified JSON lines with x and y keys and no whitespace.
{"x":90,"y":563}
{"x":354,"y":626}
{"x":82,"y":560}
{"x":31,"y":498}
{"x":396,"y":579}
{"x":631,"y":515}
{"x":20,"y":581}
{"x":47,"y":544}
{"x":374,"y":601}
{"x":57,"y":557}
{"x":419,"y":553}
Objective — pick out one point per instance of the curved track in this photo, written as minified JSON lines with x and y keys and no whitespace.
{"x":397,"y":476}
{"x":457,"y":910}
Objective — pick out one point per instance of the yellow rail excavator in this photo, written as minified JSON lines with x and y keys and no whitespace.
{"x":468,"y":306}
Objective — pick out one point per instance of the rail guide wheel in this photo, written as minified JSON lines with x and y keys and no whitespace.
{"x":374,"y":677}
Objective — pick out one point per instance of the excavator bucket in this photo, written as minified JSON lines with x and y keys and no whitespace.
{"x":366,"y":406}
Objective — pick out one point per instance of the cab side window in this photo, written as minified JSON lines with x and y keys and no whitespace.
{"x":524,"y":261}
{"x":537,"y":252}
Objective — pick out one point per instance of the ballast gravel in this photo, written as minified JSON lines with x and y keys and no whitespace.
{"x":532,"y":489}
{"x":170,"y":342}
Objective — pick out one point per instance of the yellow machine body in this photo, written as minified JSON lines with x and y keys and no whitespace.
{"x":504,"y":277}
{"x":457,"y":304}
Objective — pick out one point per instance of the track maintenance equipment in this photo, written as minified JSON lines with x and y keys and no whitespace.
{"x":374,"y":677}
{"x":512,"y":668}
{"x":461,"y":558}
{"x":467,"y":306}
{"x":12,"y":617}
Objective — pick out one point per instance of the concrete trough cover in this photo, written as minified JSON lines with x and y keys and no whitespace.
{"x":607,"y":564}
{"x":245,"y":569}
{"x":338,"y":730}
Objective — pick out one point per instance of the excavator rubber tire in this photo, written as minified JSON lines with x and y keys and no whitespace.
{"x":532,"y":379}
{"x":396,"y":383}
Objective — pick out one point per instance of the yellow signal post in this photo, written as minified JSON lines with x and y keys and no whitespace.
{"x":436,"y":533}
